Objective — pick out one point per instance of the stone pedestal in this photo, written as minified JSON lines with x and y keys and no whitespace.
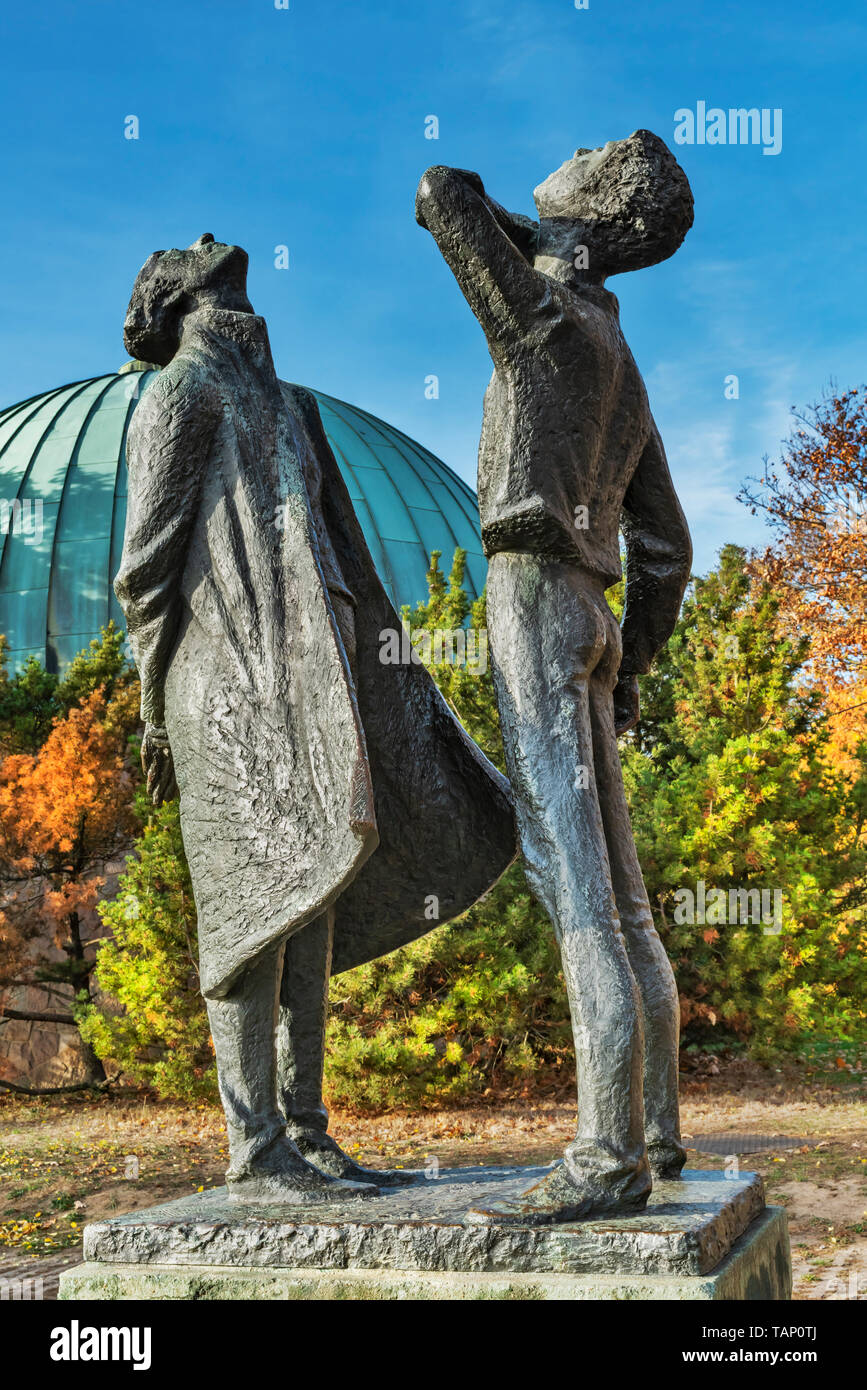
{"x":703,"y":1237}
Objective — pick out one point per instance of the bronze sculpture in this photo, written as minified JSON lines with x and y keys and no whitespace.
{"x":324,"y":797}
{"x":570,"y":453}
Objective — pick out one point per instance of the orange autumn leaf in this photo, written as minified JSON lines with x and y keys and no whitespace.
{"x":815,"y":500}
{"x":67,"y":798}
{"x":63,"y":807}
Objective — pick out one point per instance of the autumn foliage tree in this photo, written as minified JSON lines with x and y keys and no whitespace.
{"x":63,"y":810}
{"x":815,"y":501}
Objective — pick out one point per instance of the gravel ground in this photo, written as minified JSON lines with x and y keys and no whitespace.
{"x":65,"y":1161}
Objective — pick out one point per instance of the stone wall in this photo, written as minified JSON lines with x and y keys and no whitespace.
{"x":48,"y":1054}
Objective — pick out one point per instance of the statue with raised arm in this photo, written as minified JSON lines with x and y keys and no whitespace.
{"x":326,"y":798}
{"x":570,"y":456}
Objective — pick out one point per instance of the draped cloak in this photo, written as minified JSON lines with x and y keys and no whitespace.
{"x":300,"y":787}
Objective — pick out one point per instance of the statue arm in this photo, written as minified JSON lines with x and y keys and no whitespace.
{"x":658,"y":559}
{"x":487,"y":248}
{"x":522,"y":231}
{"x":169,"y":442}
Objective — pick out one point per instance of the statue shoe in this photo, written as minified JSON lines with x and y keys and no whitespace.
{"x":666,"y":1158}
{"x":558,"y":1197}
{"x":280,"y":1173}
{"x":321,"y":1150}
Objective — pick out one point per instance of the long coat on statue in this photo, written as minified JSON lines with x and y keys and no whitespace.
{"x":300,"y":787}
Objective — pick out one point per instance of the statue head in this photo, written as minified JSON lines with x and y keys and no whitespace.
{"x":172,"y":284}
{"x":629,"y":203}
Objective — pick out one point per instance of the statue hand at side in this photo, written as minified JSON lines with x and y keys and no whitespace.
{"x":627,"y":708}
{"x":158,"y":766}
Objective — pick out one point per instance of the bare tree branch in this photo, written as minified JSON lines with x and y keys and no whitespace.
{"x":55,"y":1090}
{"x":32,"y":1016}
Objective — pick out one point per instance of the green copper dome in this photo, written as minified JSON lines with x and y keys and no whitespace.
{"x":63,"y":507}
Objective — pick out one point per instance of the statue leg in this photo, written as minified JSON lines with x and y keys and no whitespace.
{"x":264,"y":1164}
{"x":647,"y":956}
{"x":301,"y":1055}
{"x":548,"y":633}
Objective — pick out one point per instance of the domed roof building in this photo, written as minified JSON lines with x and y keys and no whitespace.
{"x":63,"y":507}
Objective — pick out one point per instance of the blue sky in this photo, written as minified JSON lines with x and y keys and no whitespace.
{"x":305,"y":127}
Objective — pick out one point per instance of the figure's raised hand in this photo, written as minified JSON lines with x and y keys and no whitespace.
{"x":473,"y":179}
{"x":158,"y":765}
{"x":434,"y":178}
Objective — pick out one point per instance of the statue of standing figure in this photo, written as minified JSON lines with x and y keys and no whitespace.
{"x":569,"y":456}
{"x":326,"y":799}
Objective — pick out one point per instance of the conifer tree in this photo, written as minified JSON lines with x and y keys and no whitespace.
{"x":157,"y":1029}
{"x":731,"y":786}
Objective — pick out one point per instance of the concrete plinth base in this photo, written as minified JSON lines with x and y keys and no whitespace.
{"x":703,"y":1237}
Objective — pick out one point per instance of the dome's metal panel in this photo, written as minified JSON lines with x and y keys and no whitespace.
{"x":27,"y":555}
{"x":134,"y":387}
{"x":65,"y":451}
{"x":424,"y":506}
{"x":38,"y":457}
